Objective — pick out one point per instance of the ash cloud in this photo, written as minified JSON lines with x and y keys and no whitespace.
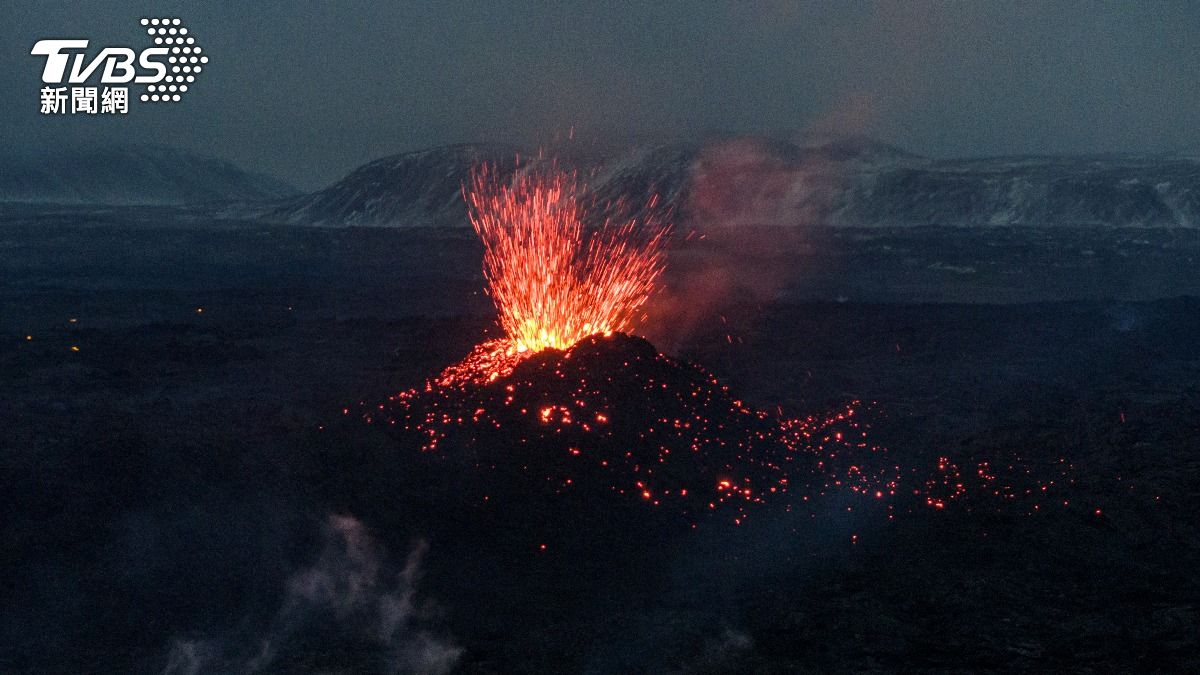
{"x":349,"y":609}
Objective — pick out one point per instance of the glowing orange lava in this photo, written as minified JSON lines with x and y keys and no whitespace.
{"x":612,"y":413}
{"x":555,"y":279}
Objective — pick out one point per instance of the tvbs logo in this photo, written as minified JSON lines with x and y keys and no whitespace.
{"x":167,"y":69}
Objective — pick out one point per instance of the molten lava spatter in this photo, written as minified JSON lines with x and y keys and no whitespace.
{"x":610,"y":415}
{"x":566,"y":402}
{"x":554,"y":278}
{"x":611,"y":418}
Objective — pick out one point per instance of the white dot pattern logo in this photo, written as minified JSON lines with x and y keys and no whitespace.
{"x":170,"y":33}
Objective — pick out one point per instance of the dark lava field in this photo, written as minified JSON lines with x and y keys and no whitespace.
{"x":188,"y":485}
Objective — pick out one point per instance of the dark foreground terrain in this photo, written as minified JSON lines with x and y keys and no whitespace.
{"x":180,"y":491}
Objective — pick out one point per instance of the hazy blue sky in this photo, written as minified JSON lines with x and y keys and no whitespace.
{"x":308,"y":90}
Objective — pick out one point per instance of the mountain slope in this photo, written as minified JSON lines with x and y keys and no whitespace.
{"x":128,"y":175}
{"x":756,"y":181}
{"x":409,"y":189}
{"x":1114,"y":191}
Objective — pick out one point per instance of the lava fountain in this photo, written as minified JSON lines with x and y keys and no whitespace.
{"x":555,"y":274}
{"x":565,"y":401}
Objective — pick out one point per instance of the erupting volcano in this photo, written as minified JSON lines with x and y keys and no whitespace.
{"x":555,"y":282}
{"x":610,"y":415}
{"x":554,"y":276}
{"x":567,"y":402}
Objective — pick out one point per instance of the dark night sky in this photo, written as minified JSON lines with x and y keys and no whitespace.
{"x":309,"y":90}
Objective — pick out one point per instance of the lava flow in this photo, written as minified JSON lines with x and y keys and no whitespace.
{"x":567,"y":402}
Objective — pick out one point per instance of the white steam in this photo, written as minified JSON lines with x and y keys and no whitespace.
{"x":348,"y":585}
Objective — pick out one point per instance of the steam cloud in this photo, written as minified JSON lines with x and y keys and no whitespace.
{"x":346,"y":603}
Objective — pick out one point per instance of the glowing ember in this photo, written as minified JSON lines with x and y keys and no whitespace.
{"x":554,"y":279}
{"x":567,"y":402}
{"x":610,"y":416}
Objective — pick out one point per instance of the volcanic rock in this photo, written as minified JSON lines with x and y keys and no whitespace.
{"x":612,"y":417}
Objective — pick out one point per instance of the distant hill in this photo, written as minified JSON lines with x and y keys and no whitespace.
{"x":757,"y":181}
{"x":410,"y":189}
{"x":128,"y":175}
